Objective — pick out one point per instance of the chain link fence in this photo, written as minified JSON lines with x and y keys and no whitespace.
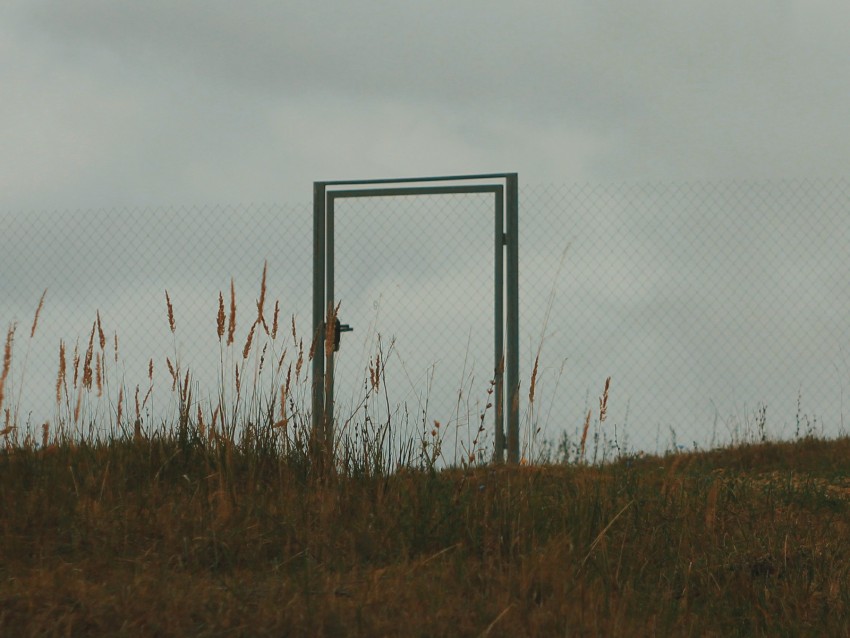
{"x":414,"y":276}
{"x":719,"y":311}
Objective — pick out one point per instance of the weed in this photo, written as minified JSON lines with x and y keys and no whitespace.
{"x":216,"y":521}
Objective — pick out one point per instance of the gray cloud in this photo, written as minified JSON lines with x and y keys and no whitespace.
{"x":213,"y":100}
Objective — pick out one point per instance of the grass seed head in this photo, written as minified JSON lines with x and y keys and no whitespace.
{"x":603,"y":401}
{"x":288,"y":383}
{"x":60,"y":377}
{"x":87,"y":371}
{"x":262,"y":358}
{"x":78,"y":405}
{"x":247,"y":349}
{"x":313,"y":344}
{"x":120,"y":406}
{"x":375,"y":373}
{"x":37,"y":313}
{"x":7,"y":360}
{"x":533,"y":385}
{"x":231,"y":324}
{"x":219,"y":322}
{"x":76,"y":362}
{"x":275,"y":319}
{"x":171,"y":324}
{"x":174,"y":376}
{"x":261,"y":302}
{"x":98,"y":374}
{"x":300,"y":361}
{"x":101,"y":338}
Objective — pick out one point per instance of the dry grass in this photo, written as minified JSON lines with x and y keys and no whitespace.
{"x":231,"y":322}
{"x":218,"y":522}
{"x":37,"y":313}
{"x":7,"y":361}
{"x":141,"y":538}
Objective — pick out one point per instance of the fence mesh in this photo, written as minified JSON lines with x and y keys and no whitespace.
{"x":414,"y":276}
{"x":720,"y":311}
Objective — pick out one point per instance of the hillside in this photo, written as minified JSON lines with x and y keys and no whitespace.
{"x":163,"y":537}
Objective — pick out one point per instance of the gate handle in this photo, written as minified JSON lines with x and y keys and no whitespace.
{"x":340,"y":328}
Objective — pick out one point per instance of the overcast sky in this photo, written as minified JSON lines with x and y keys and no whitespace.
{"x":157,"y":102}
{"x":118,"y":106}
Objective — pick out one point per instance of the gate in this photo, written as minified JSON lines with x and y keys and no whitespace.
{"x":328,"y":328}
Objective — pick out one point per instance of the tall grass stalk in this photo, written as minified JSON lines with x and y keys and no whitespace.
{"x":216,"y":521}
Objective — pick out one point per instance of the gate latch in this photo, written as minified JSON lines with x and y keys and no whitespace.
{"x":339,"y":329}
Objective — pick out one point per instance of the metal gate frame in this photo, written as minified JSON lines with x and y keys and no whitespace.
{"x":505,"y":189}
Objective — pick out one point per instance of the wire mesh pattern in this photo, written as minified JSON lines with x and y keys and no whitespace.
{"x":413,"y":272}
{"x":719,"y":311}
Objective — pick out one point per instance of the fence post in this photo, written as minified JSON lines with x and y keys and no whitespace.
{"x":318,"y":346}
{"x":512,"y":376}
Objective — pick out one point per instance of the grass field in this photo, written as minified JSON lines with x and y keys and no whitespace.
{"x":218,"y":523}
{"x":159,"y":537}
